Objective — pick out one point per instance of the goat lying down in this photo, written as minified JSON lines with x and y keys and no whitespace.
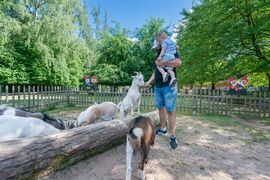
{"x":133,"y":97}
{"x":140,"y":136}
{"x":13,"y":127}
{"x":10,"y":111}
{"x":105,"y":111}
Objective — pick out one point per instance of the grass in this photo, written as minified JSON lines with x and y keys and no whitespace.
{"x":258,"y":134}
{"x":68,"y":109}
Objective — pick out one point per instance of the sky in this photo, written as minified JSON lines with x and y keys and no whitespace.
{"x":134,"y":13}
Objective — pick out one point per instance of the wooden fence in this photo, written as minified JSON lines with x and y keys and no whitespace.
{"x":256,"y":104}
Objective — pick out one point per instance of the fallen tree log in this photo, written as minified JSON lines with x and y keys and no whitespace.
{"x":39,"y":156}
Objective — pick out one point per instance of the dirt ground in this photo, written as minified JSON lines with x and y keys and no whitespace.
{"x":207,"y":151}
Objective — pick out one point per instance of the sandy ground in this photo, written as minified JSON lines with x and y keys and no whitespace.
{"x":206,"y":152}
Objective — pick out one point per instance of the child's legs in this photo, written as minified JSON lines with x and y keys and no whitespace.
{"x":169,"y":57}
{"x":161,"y":70}
{"x":170,"y":71}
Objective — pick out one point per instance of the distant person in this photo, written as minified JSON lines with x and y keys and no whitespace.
{"x":168,"y":50}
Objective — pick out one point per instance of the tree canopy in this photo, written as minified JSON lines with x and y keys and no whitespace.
{"x":49,"y":42}
{"x":219,"y":39}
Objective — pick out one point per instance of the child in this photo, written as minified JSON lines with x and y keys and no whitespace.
{"x":167,"y":54}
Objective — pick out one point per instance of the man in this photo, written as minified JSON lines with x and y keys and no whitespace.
{"x":165,"y":95}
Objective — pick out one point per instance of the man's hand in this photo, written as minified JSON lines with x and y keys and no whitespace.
{"x":147,"y":84}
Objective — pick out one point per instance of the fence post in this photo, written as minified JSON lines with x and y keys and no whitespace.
{"x":19,"y":96}
{"x":41,"y":96}
{"x":38,"y":99}
{"x":13,"y":96}
{"x":68,"y":95}
{"x":29,"y":97}
{"x":34,"y":92}
{"x":194,"y":102}
{"x":180,"y":99}
{"x":200,"y":96}
{"x":6,"y":94}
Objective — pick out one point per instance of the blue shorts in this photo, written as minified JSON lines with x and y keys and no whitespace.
{"x":165,"y":97}
{"x":168,"y":57}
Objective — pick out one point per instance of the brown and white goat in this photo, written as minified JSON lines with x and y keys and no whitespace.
{"x":140,"y":136}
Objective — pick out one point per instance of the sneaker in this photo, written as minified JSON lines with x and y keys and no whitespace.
{"x":174,"y":143}
{"x":172,"y":82}
{"x":160,"y":131}
{"x":165,"y":77}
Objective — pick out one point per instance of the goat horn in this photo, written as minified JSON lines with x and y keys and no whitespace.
{"x":136,"y":72}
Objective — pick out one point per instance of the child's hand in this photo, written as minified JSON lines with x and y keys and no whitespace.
{"x":159,"y":58}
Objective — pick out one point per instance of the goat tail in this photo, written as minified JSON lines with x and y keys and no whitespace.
{"x":135,"y":135}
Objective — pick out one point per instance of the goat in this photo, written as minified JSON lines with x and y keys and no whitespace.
{"x":140,"y":136}
{"x":133,"y":97}
{"x":105,"y":111}
{"x":10,"y":111}
{"x":13,"y":127}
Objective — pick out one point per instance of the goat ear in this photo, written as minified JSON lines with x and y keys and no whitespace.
{"x":95,"y":103}
{"x":133,"y":77}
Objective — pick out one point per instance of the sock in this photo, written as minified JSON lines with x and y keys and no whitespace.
{"x":163,"y":129}
{"x":173,"y":136}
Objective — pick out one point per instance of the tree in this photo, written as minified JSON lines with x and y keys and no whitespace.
{"x":44,"y":42}
{"x":146,"y":35}
{"x":224,"y":36}
{"x":96,"y":15}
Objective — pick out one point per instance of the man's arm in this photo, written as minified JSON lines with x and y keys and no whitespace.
{"x":152,"y":78}
{"x":173,"y":63}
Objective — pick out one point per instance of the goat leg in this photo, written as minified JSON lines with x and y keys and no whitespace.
{"x":144,"y":154}
{"x":147,"y":153}
{"x":129,"y":153}
{"x":139,"y":104}
{"x":132,"y":111}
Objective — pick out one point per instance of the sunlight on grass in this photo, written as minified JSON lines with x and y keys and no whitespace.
{"x":229,"y":122}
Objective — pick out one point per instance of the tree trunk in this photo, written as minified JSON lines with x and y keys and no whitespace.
{"x":213,"y":86}
{"x":38,"y":156}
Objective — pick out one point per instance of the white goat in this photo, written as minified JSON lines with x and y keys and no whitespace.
{"x":5,"y":110}
{"x":133,"y":97}
{"x":105,"y":111}
{"x":10,"y":111}
{"x":13,"y":127}
{"x":141,"y":135}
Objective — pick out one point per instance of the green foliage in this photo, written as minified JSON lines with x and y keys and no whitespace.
{"x":218,"y":39}
{"x":146,"y":35}
{"x":120,"y":56}
{"x":107,"y":74}
{"x":258,"y":79}
{"x":43,"y":42}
